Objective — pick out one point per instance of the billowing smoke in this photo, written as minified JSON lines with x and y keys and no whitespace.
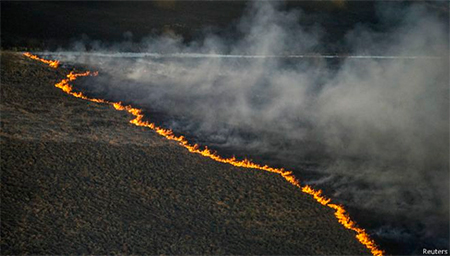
{"x":374,"y":132}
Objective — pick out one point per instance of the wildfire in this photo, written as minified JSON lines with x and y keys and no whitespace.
{"x":67,"y":88}
{"x":340,"y":212}
{"x":51,"y":63}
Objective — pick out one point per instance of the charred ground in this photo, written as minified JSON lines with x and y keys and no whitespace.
{"x":61,"y":24}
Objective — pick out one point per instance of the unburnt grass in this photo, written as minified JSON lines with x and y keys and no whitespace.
{"x":77,"y":178}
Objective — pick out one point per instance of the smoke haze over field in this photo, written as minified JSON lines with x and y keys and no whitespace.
{"x":377,"y":130}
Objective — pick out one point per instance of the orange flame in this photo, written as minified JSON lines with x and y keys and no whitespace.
{"x":51,"y":63}
{"x":340,"y":212}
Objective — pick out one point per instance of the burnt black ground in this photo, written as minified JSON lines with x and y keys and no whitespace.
{"x":49,"y":25}
{"x":77,"y":178}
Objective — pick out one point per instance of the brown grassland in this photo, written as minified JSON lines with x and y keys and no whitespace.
{"x":77,"y":178}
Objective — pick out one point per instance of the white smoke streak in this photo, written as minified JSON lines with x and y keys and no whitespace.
{"x":212,"y":55}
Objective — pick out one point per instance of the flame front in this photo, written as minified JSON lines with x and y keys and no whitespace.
{"x":51,"y":63}
{"x":340,"y":212}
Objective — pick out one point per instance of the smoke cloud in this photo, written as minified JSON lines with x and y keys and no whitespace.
{"x":376,"y":131}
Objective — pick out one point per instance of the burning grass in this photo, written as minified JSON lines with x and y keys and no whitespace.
{"x":203,"y":206}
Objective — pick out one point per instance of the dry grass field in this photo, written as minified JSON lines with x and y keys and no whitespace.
{"x":77,"y":178}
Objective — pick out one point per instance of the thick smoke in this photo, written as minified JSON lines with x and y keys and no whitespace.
{"x":376,"y":130}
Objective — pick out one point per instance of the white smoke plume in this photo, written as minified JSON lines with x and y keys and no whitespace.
{"x":377,"y":128}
